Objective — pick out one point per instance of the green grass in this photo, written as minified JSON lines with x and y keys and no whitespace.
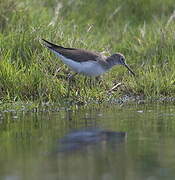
{"x":143,"y":30}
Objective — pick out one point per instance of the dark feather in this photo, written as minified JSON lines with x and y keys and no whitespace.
{"x":79,"y":55}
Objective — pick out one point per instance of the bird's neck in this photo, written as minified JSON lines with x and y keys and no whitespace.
{"x":111,"y":62}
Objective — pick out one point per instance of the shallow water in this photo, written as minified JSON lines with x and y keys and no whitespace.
{"x":30,"y":144}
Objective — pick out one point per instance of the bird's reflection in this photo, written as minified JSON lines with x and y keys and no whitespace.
{"x":91,"y":137}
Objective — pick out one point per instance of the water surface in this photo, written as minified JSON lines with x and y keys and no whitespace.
{"x":30,"y":144}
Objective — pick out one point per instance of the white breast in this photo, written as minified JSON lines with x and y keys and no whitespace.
{"x":90,"y":68}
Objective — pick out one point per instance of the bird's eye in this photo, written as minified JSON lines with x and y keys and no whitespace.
{"x":122,"y":59}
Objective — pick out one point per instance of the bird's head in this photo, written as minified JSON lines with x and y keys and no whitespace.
{"x":119,"y":59}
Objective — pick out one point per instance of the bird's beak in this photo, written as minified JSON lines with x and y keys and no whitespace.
{"x":130,"y":70}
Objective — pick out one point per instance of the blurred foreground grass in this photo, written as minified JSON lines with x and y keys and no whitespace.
{"x":143,"y":30}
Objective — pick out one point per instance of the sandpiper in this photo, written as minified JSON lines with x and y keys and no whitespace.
{"x":86,"y":62}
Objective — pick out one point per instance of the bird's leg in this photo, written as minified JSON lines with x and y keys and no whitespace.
{"x":91,"y":82}
{"x":69,"y":81}
{"x":88,"y":81}
{"x":99,"y":80}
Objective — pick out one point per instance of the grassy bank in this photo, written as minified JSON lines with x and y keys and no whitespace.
{"x":143,"y":30}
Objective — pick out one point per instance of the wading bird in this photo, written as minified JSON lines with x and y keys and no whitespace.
{"x":86,"y":62}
